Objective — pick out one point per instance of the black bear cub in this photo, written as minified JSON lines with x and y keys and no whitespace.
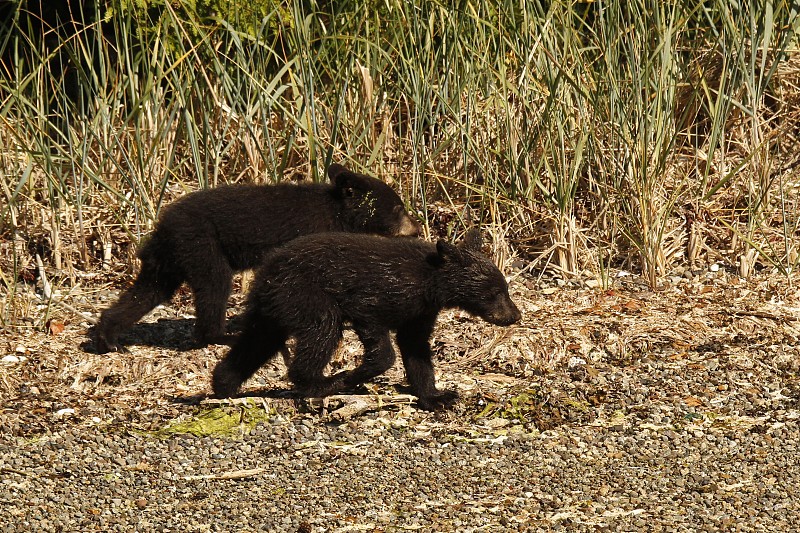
{"x":310,"y":287}
{"x":206,"y":236}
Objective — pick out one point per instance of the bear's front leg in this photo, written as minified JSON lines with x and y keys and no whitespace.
{"x":413,"y":341}
{"x":211,"y":286}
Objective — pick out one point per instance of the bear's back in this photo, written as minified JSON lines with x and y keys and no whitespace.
{"x":370,"y":278}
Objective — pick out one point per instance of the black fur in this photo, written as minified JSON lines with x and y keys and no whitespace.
{"x":206,"y":236}
{"x":308,"y":288}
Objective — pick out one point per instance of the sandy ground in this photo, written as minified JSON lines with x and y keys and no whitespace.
{"x":617,"y":409}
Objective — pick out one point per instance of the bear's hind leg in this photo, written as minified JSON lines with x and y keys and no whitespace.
{"x":258,"y":343}
{"x":154,"y":285}
{"x":378,"y":357}
{"x":314,"y":349}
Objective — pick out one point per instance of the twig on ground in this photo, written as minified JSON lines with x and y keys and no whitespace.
{"x":356,"y":404}
{"x":760,"y":314}
{"x":235,"y":474}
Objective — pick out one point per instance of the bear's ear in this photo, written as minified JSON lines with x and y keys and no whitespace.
{"x":334,"y":171}
{"x":473,"y":240}
{"x":347,"y":182}
{"x":447,"y":251}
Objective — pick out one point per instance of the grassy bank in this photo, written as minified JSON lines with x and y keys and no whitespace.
{"x":586,"y":136}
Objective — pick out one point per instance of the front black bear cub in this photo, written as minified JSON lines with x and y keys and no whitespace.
{"x":206,"y":236}
{"x":310,"y":287}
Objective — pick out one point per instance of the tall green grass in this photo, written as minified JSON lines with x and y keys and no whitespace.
{"x":591,"y":136}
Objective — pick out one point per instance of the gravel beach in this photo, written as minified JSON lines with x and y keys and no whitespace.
{"x":621,"y":410}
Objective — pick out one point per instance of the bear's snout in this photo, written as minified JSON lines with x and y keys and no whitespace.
{"x":406,"y":226}
{"x":504,"y":314}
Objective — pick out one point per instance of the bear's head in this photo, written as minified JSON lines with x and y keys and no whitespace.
{"x":471,"y":281}
{"x":368,"y":205}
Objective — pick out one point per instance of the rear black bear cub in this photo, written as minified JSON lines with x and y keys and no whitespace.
{"x":308,"y":288}
{"x":206,"y":236}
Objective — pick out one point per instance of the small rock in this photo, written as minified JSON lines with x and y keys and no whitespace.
{"x":497,"y":422}
{"x":13,"y":359}
{"x":576,"y":361}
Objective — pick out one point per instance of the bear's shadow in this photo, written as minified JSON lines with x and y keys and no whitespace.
{"x":169,"y":333}
{"x":272,"y":393}
{"x":278,"y":394}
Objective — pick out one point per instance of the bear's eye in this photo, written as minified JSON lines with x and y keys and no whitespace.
{"x":348,"y":192}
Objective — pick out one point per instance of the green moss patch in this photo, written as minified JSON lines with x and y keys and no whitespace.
{"x":223,"y":421}
{"x":535,"y":407}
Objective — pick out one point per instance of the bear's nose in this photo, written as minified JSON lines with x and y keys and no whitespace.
{"x":407,"y":227}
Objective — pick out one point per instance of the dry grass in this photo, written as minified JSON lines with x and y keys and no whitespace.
{"x":578,"y":161}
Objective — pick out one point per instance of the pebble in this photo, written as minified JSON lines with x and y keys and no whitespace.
{"x":646,"y":460}
{"x":626,"y":480}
